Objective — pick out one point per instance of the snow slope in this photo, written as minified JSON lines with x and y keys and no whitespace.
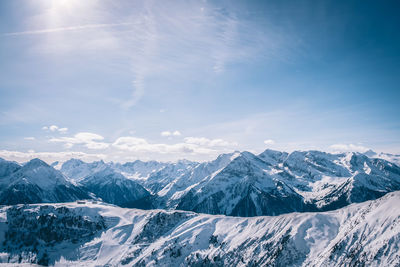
{"x":365,"y":234}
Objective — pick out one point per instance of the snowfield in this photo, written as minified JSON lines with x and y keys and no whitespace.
{"x":98,"y":234}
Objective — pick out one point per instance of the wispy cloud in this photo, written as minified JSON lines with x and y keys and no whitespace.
{"x":184,"y":41}
{"x":63,"y":29}
{"x":181,"y":41}
{"x":203,"y":141}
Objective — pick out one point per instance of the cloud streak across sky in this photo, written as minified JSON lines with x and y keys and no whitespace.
{"x":63,"y":29}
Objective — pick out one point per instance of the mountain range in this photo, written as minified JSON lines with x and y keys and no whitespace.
{"x":236,"y":184}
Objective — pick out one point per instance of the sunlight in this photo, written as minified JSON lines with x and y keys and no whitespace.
{"x":61,"y":13}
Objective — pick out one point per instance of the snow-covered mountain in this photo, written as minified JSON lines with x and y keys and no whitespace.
{"x":35,"y":182}
{"x":157,"y":180}
{"x":7,"y":168}
{"x":242,"y":188}
{"x":112,"y":187}
{"x":151,"y":174}
{"x":277,"y":182}
{"x":76,"y":169}
{"x":386,"y":156}
{"x":96,"y":234}
{"x":238,"y":184}
{"x":172,"y":192}
{"x":138,"y":170}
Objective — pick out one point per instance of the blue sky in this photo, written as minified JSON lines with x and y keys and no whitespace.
{"x":125,"y":80}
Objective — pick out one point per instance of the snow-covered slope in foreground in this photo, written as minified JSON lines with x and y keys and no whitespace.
{"x":90,"y":234}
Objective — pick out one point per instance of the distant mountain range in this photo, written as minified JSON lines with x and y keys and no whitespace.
{"x":237,"y":184}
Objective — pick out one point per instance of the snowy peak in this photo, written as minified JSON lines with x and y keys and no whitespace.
{"x":245,"y":163}
{"x":386,"y":156}
{"x":37,"y":182}
{"x":106,"y":175}
{"x":168,"y":174}
{"x":39,"y":173}
{"x":76,"y":169}
{"x":299,"y":181}
{"x":273,"y":157}
{"x":139,"y":170}
{"x":72,"y":163}
{"x":8,"y":167}
{"x":314,"y":165}
{"x":36,"y":163}
{"x":192,"y":176}
{"x":242,"y":188}
{"x":112,"y":187}
{"x":370,"y":153}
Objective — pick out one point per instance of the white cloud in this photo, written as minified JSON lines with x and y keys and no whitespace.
{"x":348,"y":148}
{"x":121,"y":149}
{"x":49,"y":157}
{"x":191,"y":146}
{"x":269,"y":142}
{"x":30,"y":138}
{"x":63,"y":130}
{"x":135,"y":144}
{"x":168,"y":133}
{"x":202,"y":141}
{"x":89,"y":140}
{"x":86,"y":137}
{"x":55,"y":128}
{"x":176,"y":133}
